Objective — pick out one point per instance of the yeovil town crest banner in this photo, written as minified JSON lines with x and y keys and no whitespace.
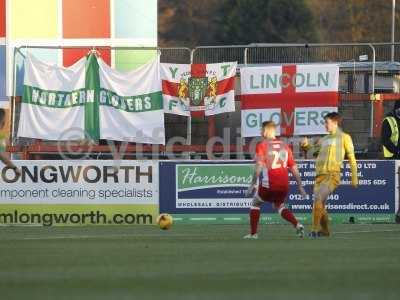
{"x":295,"y":96}
{"x":93,"y":101}
{"x":198,"y":88}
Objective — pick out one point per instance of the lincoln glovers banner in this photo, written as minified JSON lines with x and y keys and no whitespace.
{"x":198,"y":89}
{"x":294,"y":96}
{"x":93,"y":101}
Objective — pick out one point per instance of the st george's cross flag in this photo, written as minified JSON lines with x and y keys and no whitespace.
{"x":198,"y":89}
{"x":296,"y":97}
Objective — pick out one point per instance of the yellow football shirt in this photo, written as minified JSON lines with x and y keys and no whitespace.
{"x":333,"y":148}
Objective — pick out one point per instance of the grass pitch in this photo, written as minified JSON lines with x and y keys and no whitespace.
{"x":198,"y":262}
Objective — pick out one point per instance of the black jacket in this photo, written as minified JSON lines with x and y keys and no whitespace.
{"x":387,"y":133}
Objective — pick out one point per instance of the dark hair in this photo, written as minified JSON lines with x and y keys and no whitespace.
{"x":2,"y":114}
{"x":334,"y":116}
{"x":268,"y":124}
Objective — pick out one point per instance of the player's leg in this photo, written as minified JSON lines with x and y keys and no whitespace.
{"x":333,"y":182}
{"x":319,"y":213}
{"x":254,"y":217}
{"x":324,"y":222}
{"x":287,"y":214}
{"x":255,"y":214}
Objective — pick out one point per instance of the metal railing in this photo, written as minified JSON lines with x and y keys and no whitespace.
{"x":167,"y":55}
{"x":216,"y":54}
{"x":368,"y":54}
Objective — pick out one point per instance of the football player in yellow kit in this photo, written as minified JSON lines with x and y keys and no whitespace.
{"x":332,"y":150}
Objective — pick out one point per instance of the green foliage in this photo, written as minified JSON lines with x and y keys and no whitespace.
{"x":265,"y":21}
{"x":211,"y":22}
{"x":340,"y":21}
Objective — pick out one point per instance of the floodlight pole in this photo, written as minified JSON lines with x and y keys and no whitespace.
{"x":393,"y":27}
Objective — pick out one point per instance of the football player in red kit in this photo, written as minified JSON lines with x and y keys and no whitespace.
{"x":273,"y":160}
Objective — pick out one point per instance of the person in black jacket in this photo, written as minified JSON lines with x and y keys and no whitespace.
{"x":390,"y":134}
{"x":390,"y":138}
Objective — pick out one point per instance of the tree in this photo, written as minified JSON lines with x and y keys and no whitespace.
{"x":187,"y":23}
{"x":265,"y":21}
{"x":211,"y":22}
{"x":341,"y":21}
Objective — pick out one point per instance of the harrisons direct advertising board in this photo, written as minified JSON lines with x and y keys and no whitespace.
{"x":212,"y":186}
{"x":80,"y":192}
{"x":215,"y":192}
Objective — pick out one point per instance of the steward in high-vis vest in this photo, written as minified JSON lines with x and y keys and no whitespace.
{"x":390,"y":138}
{"x":390,"y":133}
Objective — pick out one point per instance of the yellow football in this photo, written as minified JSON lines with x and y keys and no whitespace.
{"x":164,"y":221}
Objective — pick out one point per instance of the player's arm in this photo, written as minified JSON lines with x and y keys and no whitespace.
{"x":317,"y":148}
{"x":9,"y":163}
{"x":256,"y":174}
{"x":257,"y":171}
{"x":291,"y":164}
{"x":349,"y":150}
{"x":306,"y":146}
{"x":259,"y":159}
